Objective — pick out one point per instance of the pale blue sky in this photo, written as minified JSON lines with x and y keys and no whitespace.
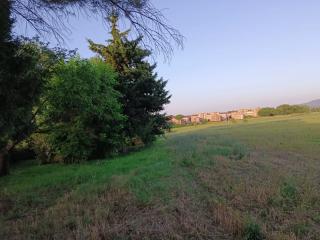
{"x":238,"y":53}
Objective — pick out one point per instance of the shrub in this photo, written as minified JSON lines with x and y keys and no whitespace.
{"x":42,"y":148}
{"x":289,"y":109}
{"x":264,"y":112}
{"x":289,"y":195}
{"x":81,"y":112}
{"x":143,"y":93}
{"x":288,"y":191}
{"x":252,"y":231}
{"x":284,"y":109}
{"x":300,"y":229}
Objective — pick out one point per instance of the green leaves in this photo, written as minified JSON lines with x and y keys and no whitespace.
{"x":143,"y":94}
{"x":82,"y":110}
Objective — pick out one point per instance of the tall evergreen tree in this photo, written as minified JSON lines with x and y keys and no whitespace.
{"x":143,"y":93}
{"x":6,"y":50}
{"x":22,"y":70}
{"x":5,"y":21}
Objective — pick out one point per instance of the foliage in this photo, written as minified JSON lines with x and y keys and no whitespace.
{"x":81,"y":111}
{"x":5,"y":23}
{"x":268,"y":111}
{"x":25,"y":65}
{"x":160,"y":200}
{"x":143,"y":94}
{"x":289,"y":109}
{"x":253,"y":232}
{"x":42,"y":148}
{"x":284,"y":109}
{"x":179,"y":116}
{"x":52,"y":17}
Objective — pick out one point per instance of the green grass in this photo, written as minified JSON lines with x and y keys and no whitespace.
{"x":251,"y":179}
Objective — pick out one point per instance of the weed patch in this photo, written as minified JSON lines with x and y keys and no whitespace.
{"x":252,"y":231}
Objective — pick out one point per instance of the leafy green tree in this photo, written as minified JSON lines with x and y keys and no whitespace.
{"x":267,"y":111}
{"x":82,"y":115}
{"x":143,"y":93}
{"x":284,"y":109}
{"x":289,"y":109}
{"x":179,"y":116}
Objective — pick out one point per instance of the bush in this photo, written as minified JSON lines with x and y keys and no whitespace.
{"x":264,"y":112}
{"x":301,"y":229}
{"x":42,"y":148}
{"x":289,"y":109}
{"x":284,"y":109}
{"x":81,"y":112}
{"x":252,"y":231}
{"x":289,"y":195}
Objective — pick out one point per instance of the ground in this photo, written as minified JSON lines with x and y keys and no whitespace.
{"x":252,"y":179}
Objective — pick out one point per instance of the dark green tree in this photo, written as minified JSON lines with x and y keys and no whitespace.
{"x":23,"y":72}
{"x":5,"y":22}
{"x":82,"y":115}
{"x":24,"y":66}
{"x":143,"y":93}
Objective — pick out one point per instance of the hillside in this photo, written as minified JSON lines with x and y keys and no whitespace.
{"x":313,"y":104}
{"x":251,"y":179}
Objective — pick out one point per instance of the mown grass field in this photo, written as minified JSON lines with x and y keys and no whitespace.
{"x":255,"y":179}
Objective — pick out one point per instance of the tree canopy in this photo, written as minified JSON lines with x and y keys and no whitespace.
{"x":81,"y":113}
{"x":283,"y":109}
{"x":143,"y":93}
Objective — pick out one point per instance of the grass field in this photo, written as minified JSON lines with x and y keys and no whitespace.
{"x":255,"y":179}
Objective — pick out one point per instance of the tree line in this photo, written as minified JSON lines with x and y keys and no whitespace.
{"x":71,"y":109}
{"x":284,"y":109}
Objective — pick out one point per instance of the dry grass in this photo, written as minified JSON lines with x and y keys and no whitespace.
{"x":241,"y":181}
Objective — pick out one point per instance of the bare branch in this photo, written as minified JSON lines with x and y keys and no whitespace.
{"x":51,"y":17}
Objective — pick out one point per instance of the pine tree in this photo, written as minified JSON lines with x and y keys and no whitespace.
{"x":5,"y":21}
{"x":143,"y":93}
{"x":22,"y":73}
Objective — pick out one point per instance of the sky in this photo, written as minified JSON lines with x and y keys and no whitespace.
{"x":237,"y":53}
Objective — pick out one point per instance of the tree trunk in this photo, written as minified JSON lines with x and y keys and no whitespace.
{"x":4,"y":162}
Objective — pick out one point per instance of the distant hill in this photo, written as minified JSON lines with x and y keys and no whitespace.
{"x":313,"y":104}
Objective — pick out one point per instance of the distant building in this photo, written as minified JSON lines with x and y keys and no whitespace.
{"x":175,"y":121}
{"x":202,"y":115}
{"x":196,"y":119}
{"x":224,"y":116}
{"x":214,"y":117}
{"x":250,"y":112}
{"x":186,"y":120}
{"x":236,"y":115}
{"x":210,"y":117}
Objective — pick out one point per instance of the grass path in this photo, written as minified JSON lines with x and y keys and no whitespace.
{"x":248,"y":180}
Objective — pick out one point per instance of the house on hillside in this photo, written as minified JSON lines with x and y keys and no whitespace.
{"x":224,"y":116}
{"x":202,"y":115}
{"x":250,"y":112}
{"x":186,"y":120}
{"x":173,"y":120}
{"x":196,"y":119}
{"x":214,"y":117}
{"x":237,"y":115}
{"x":210,"y":117}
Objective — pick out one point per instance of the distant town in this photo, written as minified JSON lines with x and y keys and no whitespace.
{"x":214,"y":116}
